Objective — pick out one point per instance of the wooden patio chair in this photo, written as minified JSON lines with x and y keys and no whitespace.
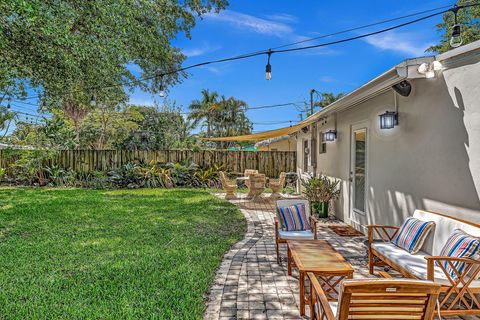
{"x":375,"y":299}
{"x":277,"y":185}
{"x":281,"y":235}
{"x":229,"y":186}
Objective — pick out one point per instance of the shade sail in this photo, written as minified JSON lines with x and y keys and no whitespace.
{"x":267,"y":134}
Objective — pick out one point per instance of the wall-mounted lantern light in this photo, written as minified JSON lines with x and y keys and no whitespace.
{"x":388,"y":120}
{"x":330,"y":135}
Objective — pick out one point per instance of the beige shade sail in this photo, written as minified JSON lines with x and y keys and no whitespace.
{"x":267,"y":134}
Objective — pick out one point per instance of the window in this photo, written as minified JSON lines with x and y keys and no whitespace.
{"x":305,"y":155}
{"x":322,"y":146}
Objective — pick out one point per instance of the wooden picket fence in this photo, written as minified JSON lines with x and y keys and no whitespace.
{"x":269,"y":162}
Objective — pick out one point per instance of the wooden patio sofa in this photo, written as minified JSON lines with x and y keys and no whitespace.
{"x":460,"y":294}
{"x":375,"y":299}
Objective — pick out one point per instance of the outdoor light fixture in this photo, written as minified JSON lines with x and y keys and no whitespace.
{"x":429,"y":69}
{"x":403,"y":88}
{"x":330,"y":135}
{"x":456,"y":39}
{"x":388,"y":120}
{"x":93,"y":101}
{"x":268,"y":68}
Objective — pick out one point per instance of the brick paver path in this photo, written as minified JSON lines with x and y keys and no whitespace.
{"x":251,"y":285}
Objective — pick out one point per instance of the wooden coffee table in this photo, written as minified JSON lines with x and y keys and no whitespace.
{"x":320,"y":258}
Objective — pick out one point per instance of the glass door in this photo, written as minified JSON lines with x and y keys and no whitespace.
{"x":358,"y":171}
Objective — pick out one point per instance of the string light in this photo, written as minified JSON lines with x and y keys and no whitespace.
{"x":268,"y":67}
{"x":456,"y":39}
{"x":162,"y":92}
{"x":455,"y":35}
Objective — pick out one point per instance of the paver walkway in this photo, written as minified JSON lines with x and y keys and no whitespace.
{"x":251,"y":285}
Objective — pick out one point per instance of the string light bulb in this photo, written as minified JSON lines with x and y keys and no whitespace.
{"x":456,"y":38}
{"x":268,"y":68}
{"x":93,"y":101}
{"x":162,"y":92}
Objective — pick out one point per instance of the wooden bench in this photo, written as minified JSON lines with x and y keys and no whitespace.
{"x":460,"y":295}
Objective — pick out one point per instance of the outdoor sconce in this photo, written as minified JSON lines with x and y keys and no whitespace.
{"x":388,"y":120}
{"x":330,"y":135}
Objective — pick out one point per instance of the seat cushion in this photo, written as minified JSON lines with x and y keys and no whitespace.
{"x":295,"y":235}
{"x":412,"y":234}
{"x":294,"y":217}
{"x":415,"y":264}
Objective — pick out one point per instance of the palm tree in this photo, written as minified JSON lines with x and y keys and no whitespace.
{"x":202,"y":111}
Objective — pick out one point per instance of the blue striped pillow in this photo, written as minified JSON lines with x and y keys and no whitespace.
{"x":459,"y":245}
{"x":294,"y":218}
{"x":412,"y":234}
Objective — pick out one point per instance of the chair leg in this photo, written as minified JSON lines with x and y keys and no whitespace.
{"x":278,"y":253}
{"x":370,"y":261}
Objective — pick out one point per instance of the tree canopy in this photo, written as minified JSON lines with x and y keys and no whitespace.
{"x":70,"y":49}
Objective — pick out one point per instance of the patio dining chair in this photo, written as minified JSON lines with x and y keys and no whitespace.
{"x":257,"y":186}
{"x":281,"y":235}
{"x":375,"y":299}
{"x":277,"y":185}
{"x":247,"y":174}
{"x":229,"y":186}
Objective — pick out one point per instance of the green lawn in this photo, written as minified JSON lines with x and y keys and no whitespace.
{"x":125,"y":254}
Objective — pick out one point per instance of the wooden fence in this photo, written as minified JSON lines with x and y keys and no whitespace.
{"x":269,"y":162}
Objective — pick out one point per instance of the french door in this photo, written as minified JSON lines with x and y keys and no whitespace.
{"x":358,"y":174}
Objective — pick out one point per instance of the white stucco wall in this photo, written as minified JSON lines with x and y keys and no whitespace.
{"x":430,"y":161}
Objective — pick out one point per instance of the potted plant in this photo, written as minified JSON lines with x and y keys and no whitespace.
{"x":320,"y":190}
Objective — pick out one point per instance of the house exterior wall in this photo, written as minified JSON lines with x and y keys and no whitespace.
{"x":430,"y":161}
{"x":282,"y":145}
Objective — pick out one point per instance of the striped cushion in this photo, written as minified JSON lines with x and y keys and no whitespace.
{"x":294,"y":218}
{"x":412,"y":234}
{"x":459,"y":245}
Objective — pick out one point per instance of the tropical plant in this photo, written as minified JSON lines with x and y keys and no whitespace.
{"x":31,"y":166}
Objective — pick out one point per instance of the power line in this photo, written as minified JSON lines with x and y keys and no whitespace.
{"x":361,"y":27}
{"x":270,"y":52}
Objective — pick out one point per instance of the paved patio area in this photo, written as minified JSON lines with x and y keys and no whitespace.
{"x":251,"y":285}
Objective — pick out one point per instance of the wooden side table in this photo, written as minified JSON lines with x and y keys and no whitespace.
{"x":321,"y":259}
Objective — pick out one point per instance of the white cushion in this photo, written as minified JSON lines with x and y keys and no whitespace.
{"x":444,"y":227}
{"x":295,"y":235}
{"x":415,"y":264}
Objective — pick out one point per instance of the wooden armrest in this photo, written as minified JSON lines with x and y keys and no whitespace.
{"x":317,"y":292}
{"x":474,"y":266}
{"x":446,"y":258}
{"x":381,"y":231}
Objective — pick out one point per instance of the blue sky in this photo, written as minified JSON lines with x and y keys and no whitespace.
{"x":252,"y":25}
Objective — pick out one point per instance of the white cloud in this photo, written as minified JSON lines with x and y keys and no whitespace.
{"x":405,"y":43}
{"x":253,"y":24}
{"x":200,"y":51}
{"x":285,"y":17}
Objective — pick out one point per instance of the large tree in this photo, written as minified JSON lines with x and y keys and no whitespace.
{"x":70,"y":50}
{"x":468,"y":18}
